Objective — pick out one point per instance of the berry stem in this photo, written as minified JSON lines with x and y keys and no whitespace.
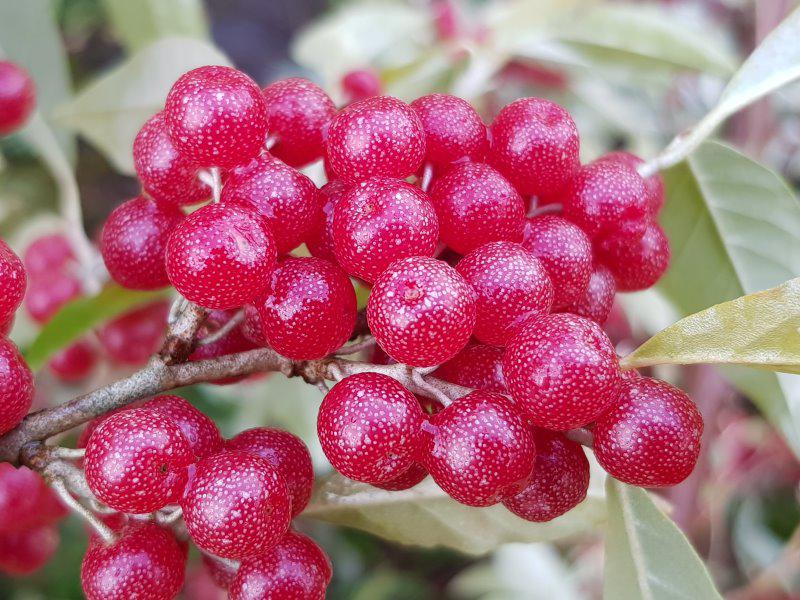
{"x":184,"y":320}
{"x":220,"y":333}
{"x":99,"y":527}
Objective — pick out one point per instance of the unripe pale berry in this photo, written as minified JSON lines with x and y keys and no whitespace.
{"x":405,"y":480}
{"x":23,"y":552}
{"x":639,"y":264}
{"x":74,"y":362}
{"x":477,"y":366}
{"x":361,"y":84}
{"x":320,"y":240}
{"x":421,"y":311}
{"x":132,"y":338}
{"x":47,"y":295}
{"x":597,"y":300}
{"x":16,"y":386}
{"x":47,"y":254}
{"x":453,"y":130}
{"x":654,"y":184}
{"x":17,"y":97}
{"x":199,"y":430}
{"x":12,"y":280}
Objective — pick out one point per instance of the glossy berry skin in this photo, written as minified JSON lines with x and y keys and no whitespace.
{"x":477,"y":366}
{"x":477,"y":205}
{"x":298,"y":111}
{"x":47,"y":254}
{"x":287,"y":454}
{"x":221,"y":256}
{"x":132,"y":338}
{"x":165,"y":174}
{"x":654,"y":184}
{"x":479,"y":449}
{"x":294,"y":569}
{"x":510,"y":284}
{"x":376,"y":136}
{"x":199,"y":430}
{"x":26,"y":501}
{"x":134,"y":241}
{"x":562,"y":371}
{"x":637,"y":265}
{"x":47,"y":295}
{"x":221,"y":573}
{"x":597,"y":300}
{"x":651,"y":435}
{"x":405,"y":480}
{"x":6,"y":327}
{"x":608,"y":198}
{"x":23,"y":552}
{"x":368,"y":426}
{"x":146,"y":563}
{"x":216,"y":117}
{"x":237,"y":505}
{"x":17,"y":97}
{"x":16,"y":386}
{"x":13,"y":281}
{"x":136,"y":461}
{"x":417,"y":300}
{"x":559,"y":482}
{"x":252,"y":328}
{"x":309,"y":308}
{"x":565,"y":252}
{"x":379,"y":221}
{"x":288,"y":200}
{"x":320,"y":240}
{"x":535,"y":145}
{"x":73,"y":363}
{"x":361,"y":84}
{"x":453,"y":130}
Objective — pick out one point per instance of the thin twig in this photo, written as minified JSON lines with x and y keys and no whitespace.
{"x":103,"y":530}
{"x":220,"y":333}
{"x":68,"y":453}
{"x":356,"y":347}
{"x":181,"y":337}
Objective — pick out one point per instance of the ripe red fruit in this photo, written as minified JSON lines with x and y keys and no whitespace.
{"x":368,"y":426}
{"x":598,"y":298}
{"x":421,"y":311}
{"x":477,"y":366}
{"x":562,"y":371}
{"x":221,"y":256}
{"x":376,"y":136}
{"x":453,"y":130}
{"x":309,"y":308}
{"x":379,"y":221}
{"x":298,"y":112}
{"x":26,"y":501}
{"x":222,"y":573}
{"x":651,"y":435}
{"x":23,"y":552}
{"x":230,"y":343}
{"x":146,"y":563}
{"x":320,"y":240}
{"x":13,"y":281}
{"x":17,"y":97}
{"x":47,"y":295}
{"x":16,"y":386}
{"x":608,"y":198}
{"x":236,"y":505}
{"x":288,"y":200}
{"x":510,"y":284}
{"x":361,"y":84}
{"x":74,"y":362}
{"x":565,"y":252}
{"x":479,"y":450}
{"x":216,"y":117}
{"x":535,"y":145}
{"x":47,"y":254}
{"x":637,"y":265}
{"x":199,"y":430}
{"x":559,"y":482}
{"x":405,"y":480}
{"x":165,"y":174}
{"x":294,"y":568}
{"x":136,"y":461}
{"x":132,"y":338}
{"x":6,"y":327}
{"x":134,"y":241}
{"x":252,"y":328}
{"x":654,"y":184}
{"x":477,"y":205}
{"x":287,"y":454}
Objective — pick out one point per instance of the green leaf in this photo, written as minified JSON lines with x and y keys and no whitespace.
{"x":140,"y":23}
{"x":426,"y":516}
{"x":83,"y":315}
{"x":647,"y":556}
{"x":112,"y":109}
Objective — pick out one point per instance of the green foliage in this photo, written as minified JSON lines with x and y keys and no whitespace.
{"x":139,"y":23}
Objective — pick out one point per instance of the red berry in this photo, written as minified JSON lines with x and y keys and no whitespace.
{"x":379,"y":221}
{"x":405,"y":480}
{"x":134,"y":241}
{"x":298,"y":112}
{"x":47,"y":254}
{"x":476,"y":366}
{"x":479,"y":449}
{"x":47,"y":295}
{"x":598,"y":298}
{"x":608,"y":198}
{"x":17,"y":97}
{"x":232,"y":342}
{"x":216,"y":117}
{"x":562,"y":371}
{"x":199,"y":430}
{"x":26,"y":501}
{"x":132,"y":338}
{"x":221,"y":256}
{"x":559,"y":482}
{"x":295,"y":568}
{"x":535,"y":145}
{"x":376,"y":136}
{"x":360,"y":84}
{"x":654,"y":184}
{"x":145,"y":563}
{"x":136,"y":461}
{"x":237,"y":505}
{"x":288,"y":200}
{"x":74,"y":363}
{"x":252,"y":327}
{"x":421,"y":311}
{"x":565,"y":252}
{"x":637,"y":265}
{"x":6,"y":327}
{"x":651,"y":435}
{"x":368,"y":426}
{"x":13,"y":281}
{"x":477,"y":205}
{"x":510,"y":284}
{"x":222,"y":573}
{"x":320,"y":240}
{"x":453,"y":130}
{"x":26,"y":551}
{"x":165,"y":174}
{"x":309,"y":308}
{"x":16,"y":386}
